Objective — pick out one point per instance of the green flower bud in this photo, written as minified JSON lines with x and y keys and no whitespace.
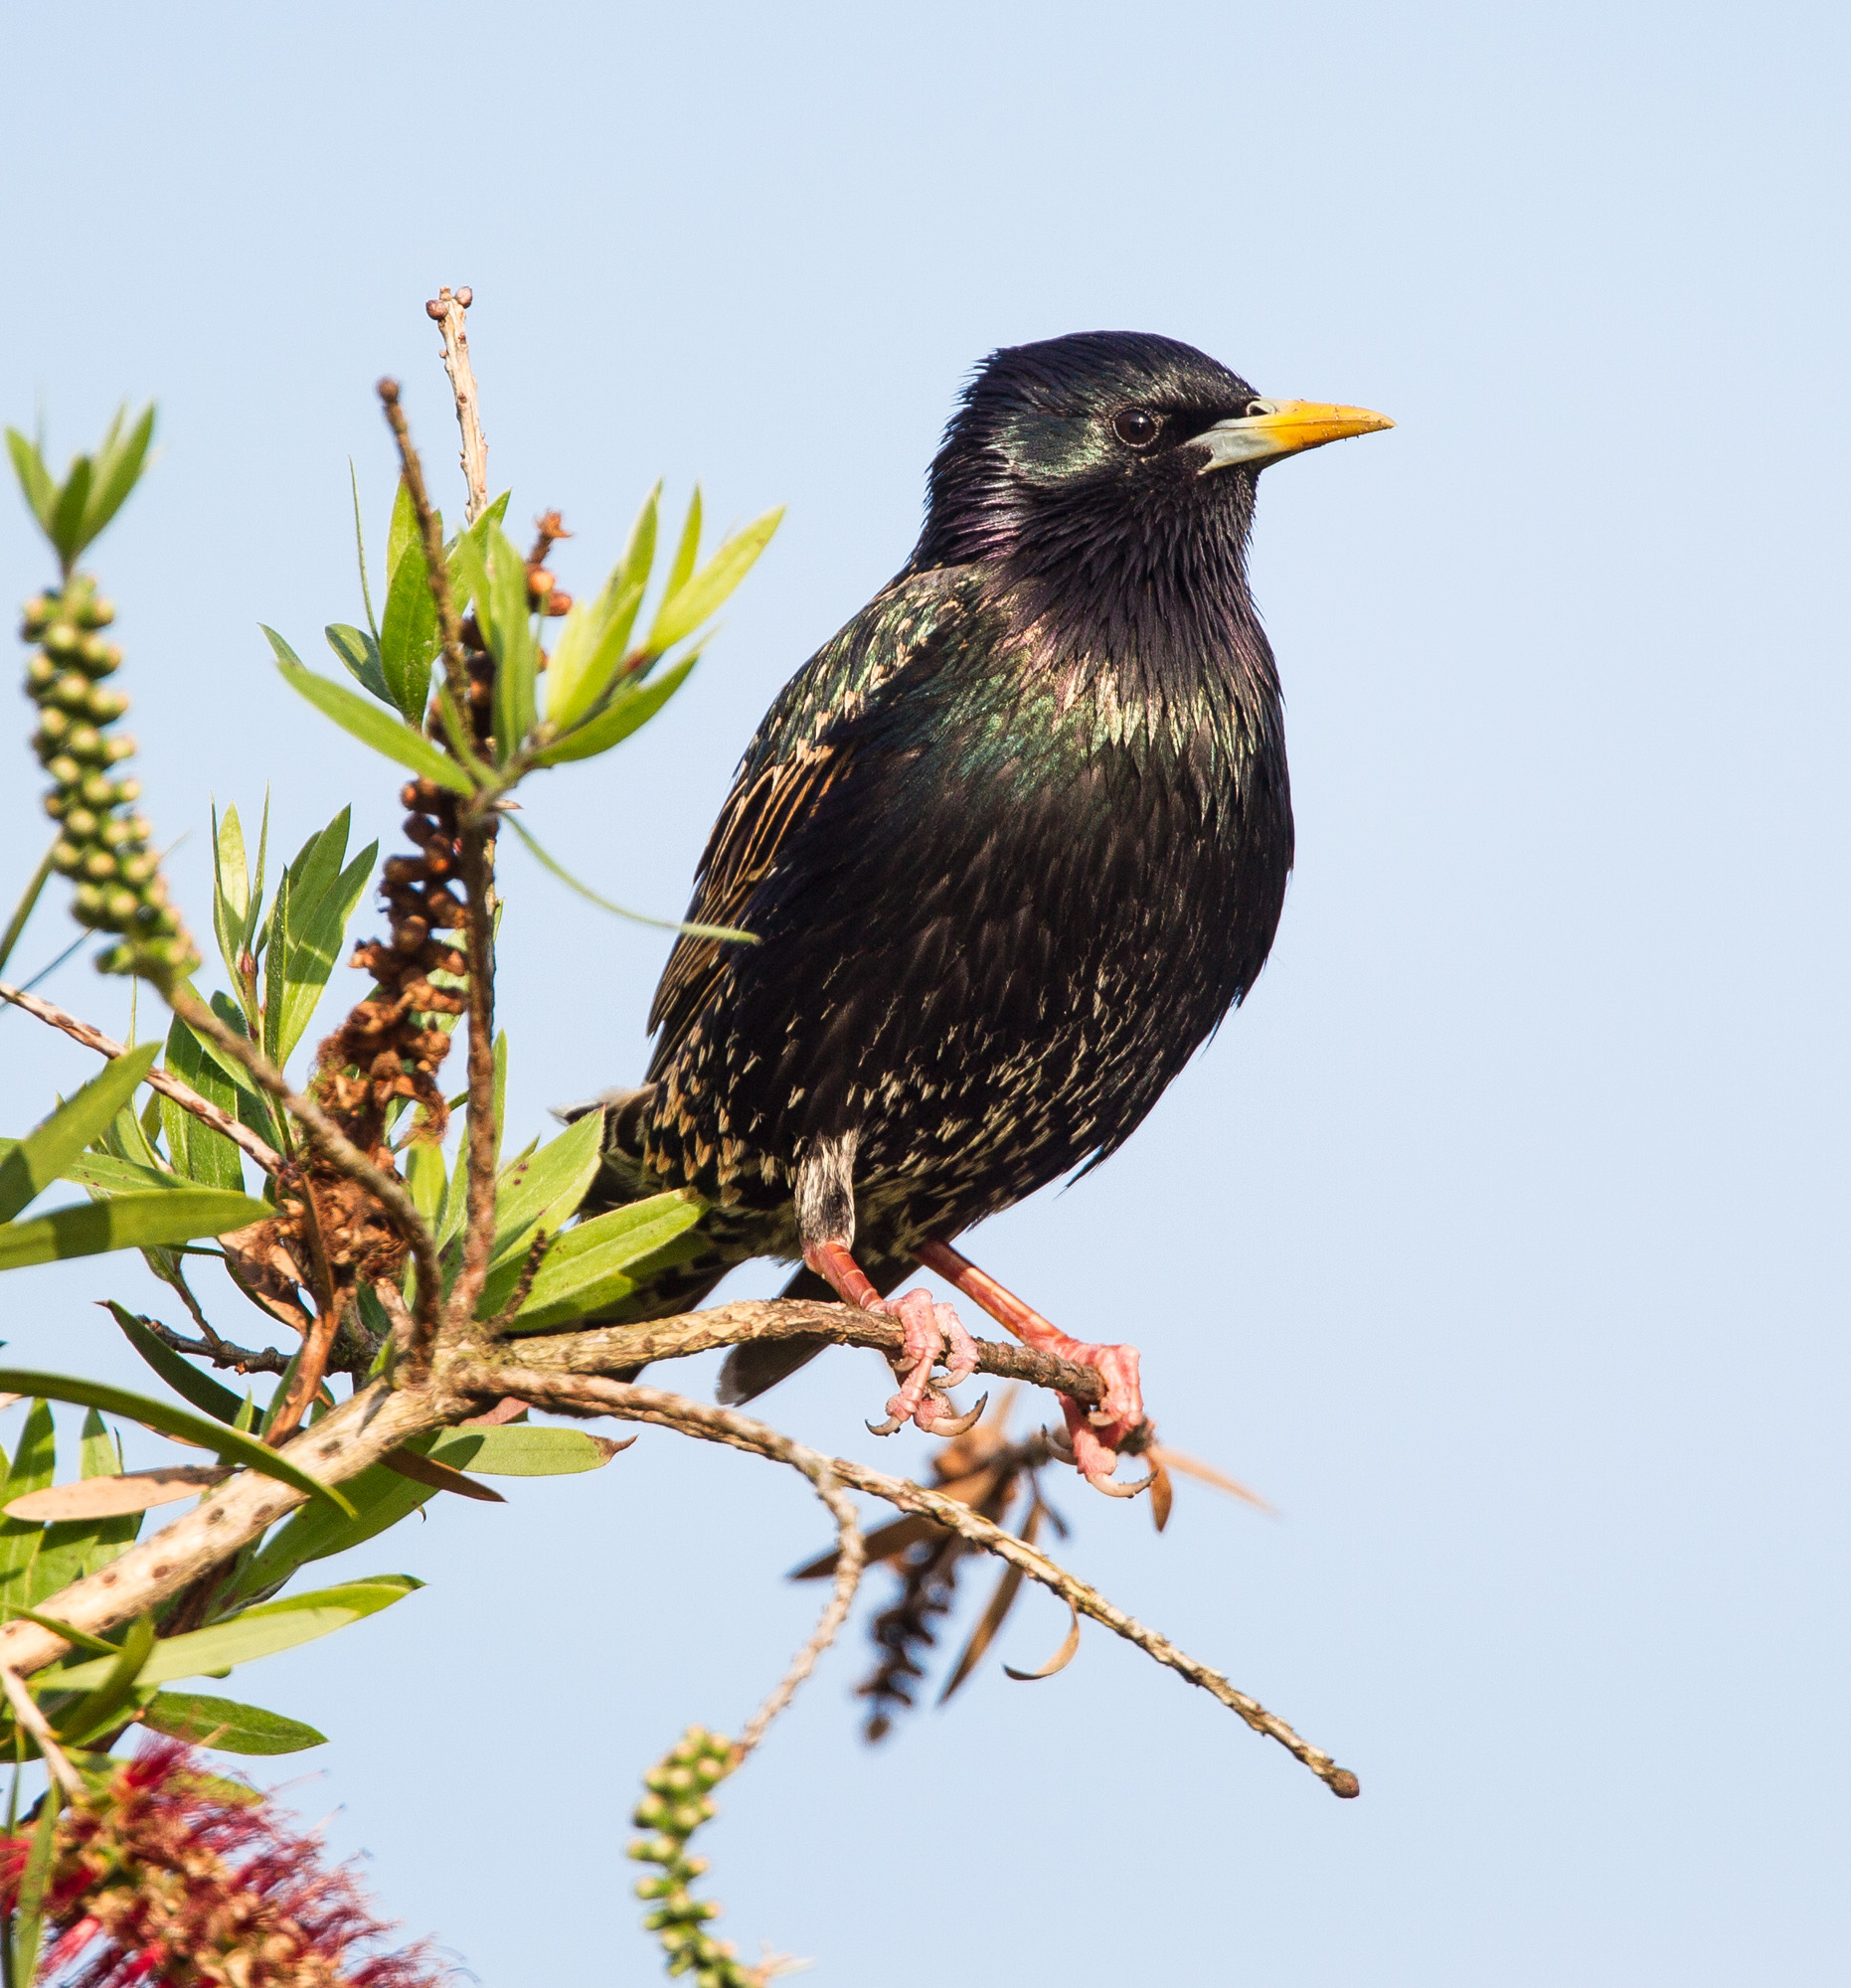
{"x":119,"y":829}
{"x":119,"y":748}
{"x":100,"y":865}
{"x":121,"y":905}
{"x":138,"y":869}
{"x":126,"y":791}
{"x":56,"y":806}
{"x":67,"y":772}
{"x":66,"y":858}
{"x":100,"y":656}
{"x":53,"y":725}
{"x":119,"y":960}
{"x":86,"y":742}
{"x":104,"y":705}
{"x":86,"y":903}
{"x":81,"y":823}
{"x":97,"y":790}
{"x":61,"y":639}
{"x":99,"y":614}
{"x":71,"y":690}
{"x":674,"y":1780}
{"x":651,"y":1814}
{"x":36,"y":612}
{"x":40,"y":671}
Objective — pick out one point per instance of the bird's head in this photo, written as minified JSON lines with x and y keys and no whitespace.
{"x":1109,"y":449}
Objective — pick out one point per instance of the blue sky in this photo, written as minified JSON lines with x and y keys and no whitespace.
{"x":1492,"y":1241}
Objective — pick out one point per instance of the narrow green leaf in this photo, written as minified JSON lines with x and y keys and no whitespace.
{"x":226,"y":1725}
{"x":231,"y":889}
{"x":66,"y":528}
{"x":127,"y":1221}
{"x":508,"y":627}
{"x":34,"y":480}
{"x":256,"y":886}
{"x":109,"y":1175}
{"x":316,"y":865}
{"x":275,"y":966}
{"x":728,"y":933}
{"x":381,"y":1498}
{"x":625,"y":712}
{"x":259,"y":1631}
{"x":373,"y":726}
{"x":686,"y":607}
{"x":28,"y":902}
{"x":360,"y":654}
{"x":179,"y":1373}
{"x":28,"y":1907}
{"x":408,"y":636}
{"x":526,"y":1450}
{"x":589,"y":652}
{"x":604,"y":1260}
{"x":73,"y":1548}
{"x":205,"y":1156}
{"x":115,"y":472}
{"x":34,"y":1463}
{"x":102,"y":1706}
{"x":359,"y":549}
{"x":314,"y":955}
{"x":226,"y":1445}
{"x":687,"y":551}
{"x":43,"y":1155}
{"x":546,"y":1187}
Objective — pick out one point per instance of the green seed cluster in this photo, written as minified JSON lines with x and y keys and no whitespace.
{"x":103,"y":849}
{"x":674,"y":1808}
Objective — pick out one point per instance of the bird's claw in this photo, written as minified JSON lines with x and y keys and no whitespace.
{"x":930,"y":1333}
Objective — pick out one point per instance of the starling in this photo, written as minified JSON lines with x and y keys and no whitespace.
{"x":1011,"y":845}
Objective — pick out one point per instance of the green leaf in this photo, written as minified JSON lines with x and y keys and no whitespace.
{"x":230,"y":889}
{"x":727,"y":933}
{"x":371,"y":726}
{"x":27,"y":900}
{"x":101,"y":1708}
{"x":224,"y":1723}
{"x":506,"y":619}
{"x":408,"y":636}
{"x":73,"y":1548}
{"x":312,"y":956}
{"x":67,"y":529}
{"x":381,"y":1498}
{"x":257,"y":1633}
{"x":629,"y":709}
{"x":43,"y":1154}
{"x":34,"y":1463}
{"x":360,"y":653}
{"x":276,"y":966}
{"x":685,"y":607}
{"x":605,"y":1259}
{"x":29,"y":1906}
{"x":589,"y":652}
{"x":359,"y":549}
{"x":34,"y":480}
{"x":205,"y":1156}
{"x":425,"y":1177}
{"x":127,"y":1221}
{"x":545,"y":1188}
{"x":109,"y":1175}
{"x":115,"y":471}
{"x":226,"y":1443}
{"x":687,"y":549}
{"x":522,"y":1451}
{"x":178,"y":1371}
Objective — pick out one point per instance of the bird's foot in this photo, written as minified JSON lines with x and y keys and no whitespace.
{"x":1095,"y":1434}
{"x":930,"y":1333}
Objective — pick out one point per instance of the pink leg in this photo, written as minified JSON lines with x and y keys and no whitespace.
{"x":1096,"y":1433}
{"x":931,"y":1331}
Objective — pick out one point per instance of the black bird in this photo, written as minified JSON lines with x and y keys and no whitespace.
{"x":1012,"y":845}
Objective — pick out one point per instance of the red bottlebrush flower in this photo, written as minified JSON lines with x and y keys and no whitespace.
{"x":164,"y":1875}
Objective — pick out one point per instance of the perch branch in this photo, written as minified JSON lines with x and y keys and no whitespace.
{"x":447,"y":308}
{"x":221,"y":1352}
{"x":168,"y":1085}
{"x":580,"y":1393}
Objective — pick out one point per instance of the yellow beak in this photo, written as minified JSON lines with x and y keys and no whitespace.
{"x":1282,"y":427}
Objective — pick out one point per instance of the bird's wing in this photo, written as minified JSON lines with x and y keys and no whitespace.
{"x":802,"y":749}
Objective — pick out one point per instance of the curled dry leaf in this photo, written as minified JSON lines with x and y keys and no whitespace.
{"x":112,"y":1497}
{"x":1057,"y":1662}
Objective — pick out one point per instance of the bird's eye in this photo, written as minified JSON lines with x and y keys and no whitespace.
{"x":1136,"y":427}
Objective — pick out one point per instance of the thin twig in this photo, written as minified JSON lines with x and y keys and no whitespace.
{"x":34,"y":1721}
{"x":221,"y":1352}
{"x":447,"y":308}
{"x":167,"y":1084}
{"x":851,"y":1558}
{"x":580,"y":1394}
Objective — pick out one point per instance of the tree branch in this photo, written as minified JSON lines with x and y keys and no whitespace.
{"x":168,"y":1085}
{"x":447,"y":308}
{"x":581,"y":1394}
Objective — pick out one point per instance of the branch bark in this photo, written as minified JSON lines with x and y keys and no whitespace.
{"x":447,"y":308}
{"x":580,"y":1394}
